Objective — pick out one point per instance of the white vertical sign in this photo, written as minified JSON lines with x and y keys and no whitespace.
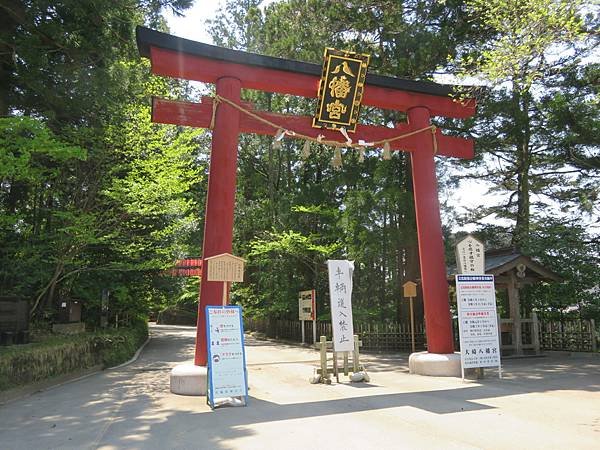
{"x":477,"y":321}
{"x":340,"y":294}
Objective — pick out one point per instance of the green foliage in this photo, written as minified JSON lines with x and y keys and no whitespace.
{"x":523,"y":32}
{"x":92,"y":196}
{"x":31,"y":152}
{"x":535,"y":136}
{"x":291,"y":216}
{"x":36,"y":201}
{"x":289,"y":243}
{"x":535,"y":127}
{"x":567,"y":249}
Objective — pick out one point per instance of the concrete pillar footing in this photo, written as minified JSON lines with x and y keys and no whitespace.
{"x":435,"y":364}
{"x":188,"y":379}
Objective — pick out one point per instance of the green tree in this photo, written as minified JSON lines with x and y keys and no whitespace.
{"x":533,"y":61}
{"x":96,"y":196}
{"x":569,"y":250}
{"x":287,"y":207}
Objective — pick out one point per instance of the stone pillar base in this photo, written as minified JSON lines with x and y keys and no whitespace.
{"x":434,"y":364}
{"x":188,"y":379}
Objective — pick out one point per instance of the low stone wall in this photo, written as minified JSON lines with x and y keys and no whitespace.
{"x":59,"y":355}
{"x":68,"y":328}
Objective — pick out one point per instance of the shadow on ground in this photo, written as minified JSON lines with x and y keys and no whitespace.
{"x":132,"y":407}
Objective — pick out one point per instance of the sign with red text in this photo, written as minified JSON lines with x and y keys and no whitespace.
{"x":477,"y":321}
{"x":340,"y":295}
{"x":306,"y":305}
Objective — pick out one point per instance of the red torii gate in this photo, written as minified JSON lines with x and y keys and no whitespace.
{"x":187,"y":267}
{"x":232,"y":70}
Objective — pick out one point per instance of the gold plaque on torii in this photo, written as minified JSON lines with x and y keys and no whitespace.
{"x":341,"y":89}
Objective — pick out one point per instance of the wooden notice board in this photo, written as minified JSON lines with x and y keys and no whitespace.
{"x":410,"y":289}
{"x":225,"y":267}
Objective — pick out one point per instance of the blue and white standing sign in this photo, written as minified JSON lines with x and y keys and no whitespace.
{"x":226,"y":357}
{"x":478,"y":322}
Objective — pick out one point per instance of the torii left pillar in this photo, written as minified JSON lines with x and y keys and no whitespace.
{"x":190,"y":379}
{"x":220,"y":202}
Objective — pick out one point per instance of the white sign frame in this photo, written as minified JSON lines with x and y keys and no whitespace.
{"x":227,"y":375}
{"x":478,"y":322}
{"x":340,"y":298}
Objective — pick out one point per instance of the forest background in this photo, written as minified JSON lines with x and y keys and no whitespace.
{"x":94,"y":196}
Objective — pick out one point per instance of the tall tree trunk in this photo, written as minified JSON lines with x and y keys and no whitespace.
{"x":11,"y":11}
{"x":523,"y":161}
{"x":412,"y":268}
{"x":384,"y":255}
{"x":48,"y":289}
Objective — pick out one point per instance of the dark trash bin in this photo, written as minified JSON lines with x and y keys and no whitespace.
{"x":14,"y":321}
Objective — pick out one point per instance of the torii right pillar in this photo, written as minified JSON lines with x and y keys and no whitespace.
{"x":440,"y":359}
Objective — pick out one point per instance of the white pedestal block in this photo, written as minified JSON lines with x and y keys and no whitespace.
{"x":434,"y":364}
{"x":188,"y":379}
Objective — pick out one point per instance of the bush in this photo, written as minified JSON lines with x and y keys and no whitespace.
{"x":59,"y":355}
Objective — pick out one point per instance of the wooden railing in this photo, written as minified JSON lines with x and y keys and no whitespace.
{"x":569,"y":335}
{"x":374,"y":336}
{"x":536,"y":336}
{"x":530,"y":336}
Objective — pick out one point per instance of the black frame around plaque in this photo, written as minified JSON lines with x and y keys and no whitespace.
{"x":347,"y":72}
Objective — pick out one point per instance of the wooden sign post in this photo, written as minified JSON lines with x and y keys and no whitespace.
{"x":410,"y":292}
{"x":226,"y":268}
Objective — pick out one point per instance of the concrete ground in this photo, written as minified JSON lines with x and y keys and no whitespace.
{"x":542,"y":403}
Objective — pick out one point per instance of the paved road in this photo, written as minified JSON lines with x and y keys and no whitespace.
{"x":543,"y":403}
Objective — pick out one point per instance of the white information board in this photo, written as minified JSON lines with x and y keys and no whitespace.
{"x":226,"y":356}
{"x":340,"y":295}
{"x":477,"y":321}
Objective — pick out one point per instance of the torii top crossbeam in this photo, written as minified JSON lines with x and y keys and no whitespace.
{"x":232,"y":70}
